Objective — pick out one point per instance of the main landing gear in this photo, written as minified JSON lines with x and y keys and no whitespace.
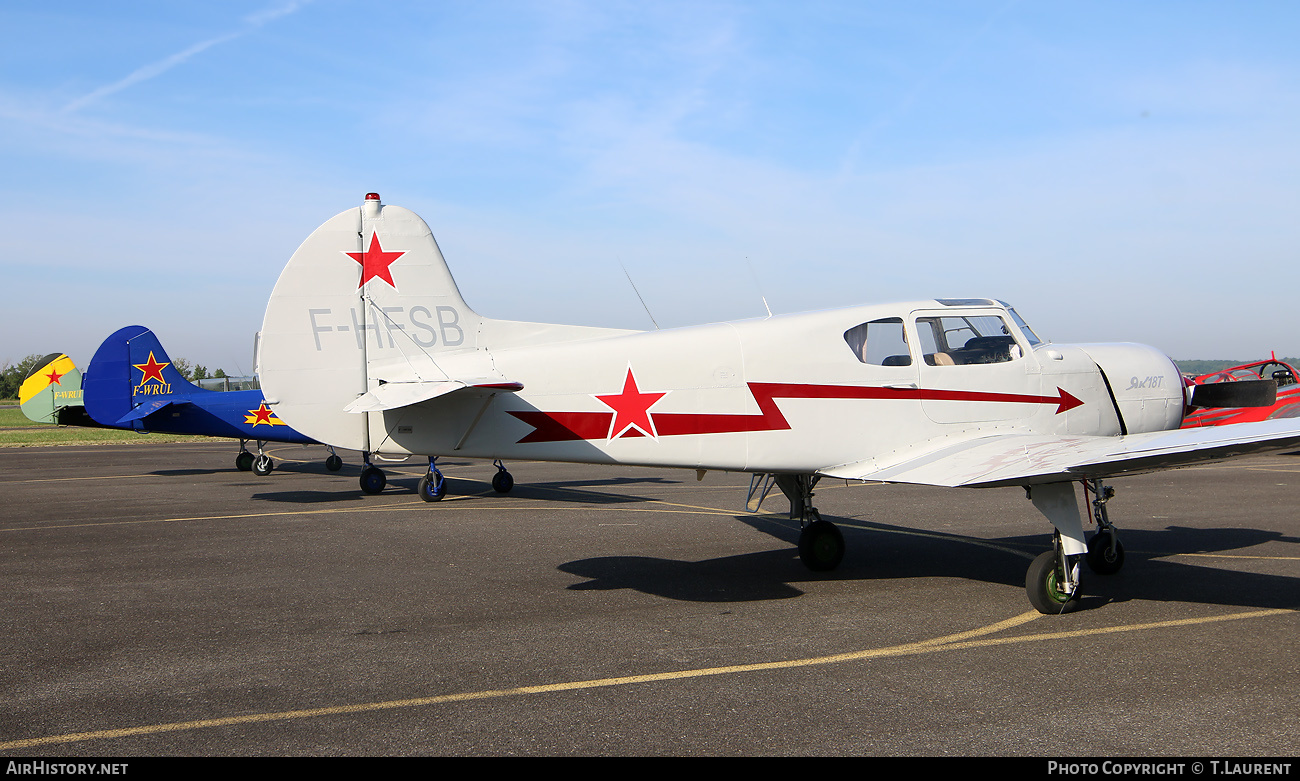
{"x":821,"y":545}
{"x":262,"y":465}
{"x":373,"y":479}
{"x":433,"y":484}
{"x":1052,"y":582}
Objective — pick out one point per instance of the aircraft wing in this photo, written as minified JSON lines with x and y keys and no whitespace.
{"x":1024,"y":459}
{"x":392,"y":395}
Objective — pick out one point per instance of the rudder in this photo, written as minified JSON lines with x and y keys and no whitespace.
{"x":368,"y":288}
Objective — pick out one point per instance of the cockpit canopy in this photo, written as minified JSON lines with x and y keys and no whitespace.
{"x":956,"y":339}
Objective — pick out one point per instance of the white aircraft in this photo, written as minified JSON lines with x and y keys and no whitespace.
{"x":368,"y":345}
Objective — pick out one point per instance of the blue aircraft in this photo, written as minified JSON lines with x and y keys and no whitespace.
{"x":132,"y":384}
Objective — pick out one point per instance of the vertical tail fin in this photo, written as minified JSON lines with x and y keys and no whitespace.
{"x":368,"y":288}
{"x":51,"y":393}
{"x":131,"y":376}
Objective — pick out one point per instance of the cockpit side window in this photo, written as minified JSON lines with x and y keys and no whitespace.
{"x":880,"y":342}
{"x":966,"y":339}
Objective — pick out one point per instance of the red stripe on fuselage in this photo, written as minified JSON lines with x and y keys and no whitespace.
{"x":571,"y":426}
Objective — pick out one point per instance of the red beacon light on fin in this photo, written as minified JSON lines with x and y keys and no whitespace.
{"x":372,"y":205}
{"x":372,"y":196}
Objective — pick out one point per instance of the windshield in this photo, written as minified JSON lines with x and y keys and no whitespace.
{"x":1034,"y":341}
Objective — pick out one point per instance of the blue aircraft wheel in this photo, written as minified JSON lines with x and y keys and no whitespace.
{"x":1043,"y":584}
{"x":502,"y":482}
{"x":333,"y":463}
{"x":821,"y":546}
{"x":263,"y":465}
{"x":1101,"y":559}
{"x":373,"y":480}
{"x":244,"y":461}
{"x":432,"y":488}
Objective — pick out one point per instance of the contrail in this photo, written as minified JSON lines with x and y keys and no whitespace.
{"x":251,"y":23}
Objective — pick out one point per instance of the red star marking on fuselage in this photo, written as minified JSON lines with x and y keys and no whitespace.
{"x":55,"y":377}
{"x":152,"y":370}
{"x":631,"y":410}
{"x":375,"y":262}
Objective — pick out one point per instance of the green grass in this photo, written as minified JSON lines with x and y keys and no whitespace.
{"x":17,"y":431}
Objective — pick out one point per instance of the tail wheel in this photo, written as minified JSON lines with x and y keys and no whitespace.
{"x":1045,"y":586}
{"x":334,"y":463}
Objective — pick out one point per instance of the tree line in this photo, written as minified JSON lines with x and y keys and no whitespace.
{"x":13,"y":374}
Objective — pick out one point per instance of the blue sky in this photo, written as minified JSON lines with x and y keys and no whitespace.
{"x":1118,"y":171}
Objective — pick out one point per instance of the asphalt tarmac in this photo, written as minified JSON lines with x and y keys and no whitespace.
{"x":157,"y":602}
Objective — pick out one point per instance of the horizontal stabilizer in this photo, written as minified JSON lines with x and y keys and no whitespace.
{"x":143,"y":411}
{"x":392,"y":395}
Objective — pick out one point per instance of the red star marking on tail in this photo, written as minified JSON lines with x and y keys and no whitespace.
{"x":375,"y":262}
{"x":55,"y":377}
{"x":631,"y":410}
{"x":152,"y":369}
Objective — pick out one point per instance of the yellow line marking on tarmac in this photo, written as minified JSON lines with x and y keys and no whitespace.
{"x":959,"y":640}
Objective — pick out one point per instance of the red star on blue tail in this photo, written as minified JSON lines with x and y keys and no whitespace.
{"x":152,"y":370}
{"x":375,"y":262}
{"x":631,"y":410}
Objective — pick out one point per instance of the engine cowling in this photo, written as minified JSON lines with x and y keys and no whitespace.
{"x":1147,"y":387}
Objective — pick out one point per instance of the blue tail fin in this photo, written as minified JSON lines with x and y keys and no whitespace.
{"x":130,"y":377}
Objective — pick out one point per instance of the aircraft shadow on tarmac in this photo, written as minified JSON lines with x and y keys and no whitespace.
{"x":572,"y":491}
{"x":879,"y":552}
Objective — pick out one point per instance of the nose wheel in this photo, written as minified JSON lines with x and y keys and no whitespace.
{"x":373,"y":479}
{"x":1052,"y":582}
{"x":432,"y":486}
{"x":262,"y":465}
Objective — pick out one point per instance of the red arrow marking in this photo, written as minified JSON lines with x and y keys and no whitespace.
{"x":570,"y":426}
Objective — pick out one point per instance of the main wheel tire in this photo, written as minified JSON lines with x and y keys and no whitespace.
{"x":262,"y":465}
{"x":334,"y":463}
{"x":1101,"y":559}
{"x":821,"y":546}
{"x":244,"y":461}
{"x":1042,"y":587}
{"x":502,"y":482}
{"x":373,"y":480}
{"x":432,"y":488}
